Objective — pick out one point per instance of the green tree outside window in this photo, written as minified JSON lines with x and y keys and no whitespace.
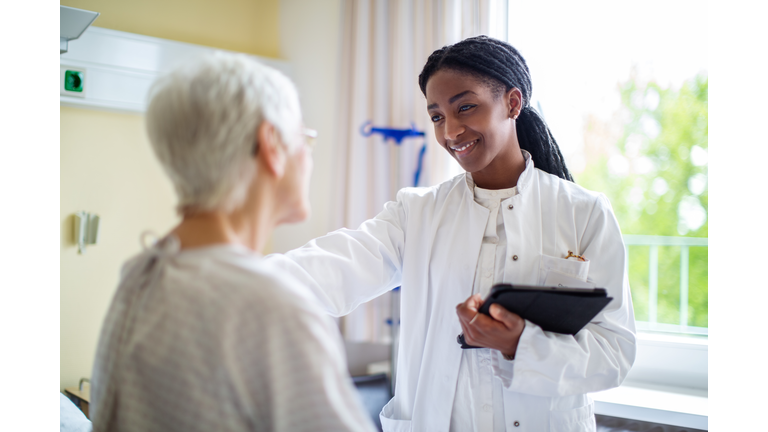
{"x":651,"y":162}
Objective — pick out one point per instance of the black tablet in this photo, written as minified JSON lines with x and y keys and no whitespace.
{"x":556,"y":309}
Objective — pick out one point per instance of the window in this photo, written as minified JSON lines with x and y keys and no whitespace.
{"x":624,"y":89}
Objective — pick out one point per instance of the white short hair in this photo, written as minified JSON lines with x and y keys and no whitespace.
{"x":202,"y":120}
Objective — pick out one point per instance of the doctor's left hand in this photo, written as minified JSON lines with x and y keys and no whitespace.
{"x":500,"y":331}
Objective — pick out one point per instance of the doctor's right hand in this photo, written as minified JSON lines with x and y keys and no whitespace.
{"x":500,"y":331}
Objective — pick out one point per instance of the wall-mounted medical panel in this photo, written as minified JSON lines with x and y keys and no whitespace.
{"x":117,"y":68}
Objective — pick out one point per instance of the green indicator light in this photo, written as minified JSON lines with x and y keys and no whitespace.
{"x":73,"y":81}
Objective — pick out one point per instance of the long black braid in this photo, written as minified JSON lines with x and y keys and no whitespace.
{"x":501,"y":67}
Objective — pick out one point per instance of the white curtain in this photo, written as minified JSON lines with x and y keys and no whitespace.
{"x":385,"y":44}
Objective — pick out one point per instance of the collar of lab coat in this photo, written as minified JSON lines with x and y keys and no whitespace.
{"x":522,"y":182}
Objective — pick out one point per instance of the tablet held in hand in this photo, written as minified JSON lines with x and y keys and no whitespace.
{"x":557,"y":309}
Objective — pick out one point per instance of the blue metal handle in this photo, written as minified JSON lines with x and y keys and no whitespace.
{"x":398,"y":135}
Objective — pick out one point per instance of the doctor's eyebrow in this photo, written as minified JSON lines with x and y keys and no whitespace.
{"x":453,"y":98}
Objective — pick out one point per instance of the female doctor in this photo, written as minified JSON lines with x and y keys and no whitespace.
{"x":515,"y":216}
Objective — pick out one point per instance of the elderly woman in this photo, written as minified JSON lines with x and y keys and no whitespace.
{"x":202,"y":335}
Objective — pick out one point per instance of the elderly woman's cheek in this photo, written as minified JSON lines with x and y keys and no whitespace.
{"x":298,"y":195}
{"x":308,"y":165}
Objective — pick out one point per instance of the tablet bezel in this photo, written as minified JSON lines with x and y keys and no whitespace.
{"x":560,"y":289}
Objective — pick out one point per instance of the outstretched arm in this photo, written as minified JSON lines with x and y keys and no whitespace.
{"x":346,"y":268}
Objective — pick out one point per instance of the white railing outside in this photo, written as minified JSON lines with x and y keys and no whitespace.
{"x":653,"y":280}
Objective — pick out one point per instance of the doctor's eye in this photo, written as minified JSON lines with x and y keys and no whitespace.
{"x":435,"y":118}
{"x":466,"y":107}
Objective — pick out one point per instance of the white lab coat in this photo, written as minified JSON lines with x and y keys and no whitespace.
{"x":428,"y":241}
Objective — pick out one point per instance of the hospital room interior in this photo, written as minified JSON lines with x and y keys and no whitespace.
{"x":638,"y":136}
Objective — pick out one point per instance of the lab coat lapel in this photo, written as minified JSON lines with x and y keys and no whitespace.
{"x":455,"y":251}
{"x":523,"y":225}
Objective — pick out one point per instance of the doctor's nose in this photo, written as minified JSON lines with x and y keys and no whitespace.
{"x":452,"y":129}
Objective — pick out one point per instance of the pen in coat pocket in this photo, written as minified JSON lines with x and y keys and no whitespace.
{"x":573,"y":255}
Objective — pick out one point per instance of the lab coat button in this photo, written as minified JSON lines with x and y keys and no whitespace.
{"x":514,"y":257}
{"x":487,"y":408}
{"x":517,"y":423}
{"x":511,"y":207}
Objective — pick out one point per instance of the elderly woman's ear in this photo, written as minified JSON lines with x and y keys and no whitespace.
{"x":271,"y":151}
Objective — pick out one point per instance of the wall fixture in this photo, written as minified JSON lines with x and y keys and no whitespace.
{"x":72,"y":24}
{"x":86,"y":230}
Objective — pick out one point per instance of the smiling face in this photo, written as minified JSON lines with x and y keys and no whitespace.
{"x":476,"y":127}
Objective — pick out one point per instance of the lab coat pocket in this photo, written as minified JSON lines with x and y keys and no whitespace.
{"x":388,"y":424}
{"x":557,"y":279}
{"x":568,"y":270}
{"x":580,"y":419}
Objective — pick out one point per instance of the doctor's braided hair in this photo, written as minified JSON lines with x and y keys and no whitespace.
{"x":501,"y":67}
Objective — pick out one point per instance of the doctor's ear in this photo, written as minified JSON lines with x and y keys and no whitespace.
{"x":269,"y":149}
{"x":514,"y":100}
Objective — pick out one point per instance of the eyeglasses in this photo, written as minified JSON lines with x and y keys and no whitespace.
{"x":310,"y":136}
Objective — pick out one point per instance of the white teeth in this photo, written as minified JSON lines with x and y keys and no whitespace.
{"x":462,"y":148}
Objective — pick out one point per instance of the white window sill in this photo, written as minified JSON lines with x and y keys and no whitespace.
{"x":674,"y":361}
{"x":657,"y":404}
{"x":667,"y":384}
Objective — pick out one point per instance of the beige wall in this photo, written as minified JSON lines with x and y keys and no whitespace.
{"x":108,"y":168}
{"x":249,"y":26}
